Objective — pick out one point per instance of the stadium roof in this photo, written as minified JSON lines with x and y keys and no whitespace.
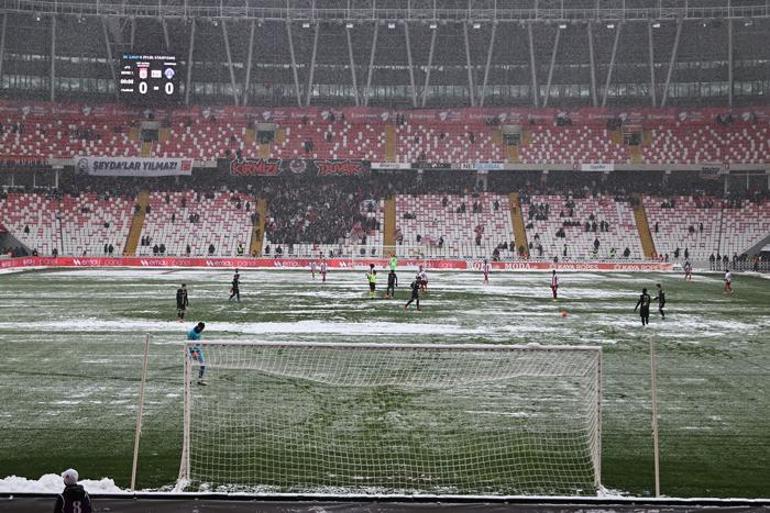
{"x":404,"y":10}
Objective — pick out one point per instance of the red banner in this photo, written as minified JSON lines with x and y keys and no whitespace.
{"x":333,"y":263}
{"x":373,"y":115}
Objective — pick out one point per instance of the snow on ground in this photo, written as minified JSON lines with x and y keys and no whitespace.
{"x":53,"y":483}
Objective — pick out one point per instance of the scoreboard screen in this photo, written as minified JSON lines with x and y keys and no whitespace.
{"x":149,"y":78}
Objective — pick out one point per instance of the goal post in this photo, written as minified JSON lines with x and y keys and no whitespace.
{"x":392,"y":419}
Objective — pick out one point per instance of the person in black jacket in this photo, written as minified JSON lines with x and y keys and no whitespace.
{"x":74,"y":499}
{"x":661,"y":298}
{"x":644,"y":302}
{"x":182,"y":302}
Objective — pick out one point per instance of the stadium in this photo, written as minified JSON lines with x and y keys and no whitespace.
{"x":384,"y":255}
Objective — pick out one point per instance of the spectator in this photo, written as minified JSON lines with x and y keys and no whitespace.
{"x":187,"y":250}
{"x":211,"y":249}
{"x":626,"y":253}
{"x":74,"y":499}
{"x":110,"y":249}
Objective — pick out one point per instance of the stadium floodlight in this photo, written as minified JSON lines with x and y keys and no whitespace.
{"x":305,"y":25}
{"x":610,"y":26}
{"x":393,"y":419}
{"x":562,"y":26}
{"x":656,"y":25}
{"x":748,"y":23}
{"x":348,"y":25}
{"x":391,"y":25}
{"x":433,"y":26}
{"x":477,"y":26}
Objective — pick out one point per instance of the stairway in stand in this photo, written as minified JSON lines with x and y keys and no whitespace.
{"x":517,"y":219}
{"x":643,"y":226}
{"x":258,"y":229}
{"x":390,"y":143}
{"x":389,"y":227}
{"x":137,"y":224}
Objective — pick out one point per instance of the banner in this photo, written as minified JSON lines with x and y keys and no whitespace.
{"x":333,"y":263}
{"x":313,"y":167}
{"x":597,"y":167}
{"x":128,"y":166}
{"x":489,"y":116}
{"x":22,"y":162}
{"x":490,"y":166}
{"x":391,"y":165}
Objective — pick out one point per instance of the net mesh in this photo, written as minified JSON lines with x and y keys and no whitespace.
{"x":344,"y":419}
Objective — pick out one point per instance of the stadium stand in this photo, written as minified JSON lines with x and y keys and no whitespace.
{"x":675,"y":143}
{"x":692,"y":223}
{"x":202,"y":221}
{"x":568,"y":145}
{"x":31,"y":218}
{"x":91,"y":223}
{"x":447,"y":142}
{"x":456,"y":226}
{"x":550,"y":225}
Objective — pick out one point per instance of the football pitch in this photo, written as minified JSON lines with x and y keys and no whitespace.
{"x":72,"y":343}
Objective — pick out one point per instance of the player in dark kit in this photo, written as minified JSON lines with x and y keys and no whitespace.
{"x":415,"y":286}
{"x":182,"y":302}
{"x":390,"y":293}
{"x":661,"y":299}
{"x":235,"y":287}
{"x":74,"y":499}
{"x":644,"y":303}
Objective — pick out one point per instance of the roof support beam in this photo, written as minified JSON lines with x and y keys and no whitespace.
{"x":554,"y":51}
{"x":188,"y":82}
{"x":533,"y":67}
{"x":468,"y":65}
{"x":612,"y":64}
{"x":2,"y":46}
{"x":490,"y":51}
{"x":671,"y":63}
{"x":651,"y":53}
{"x":367,"y":91}
{"x":730,"y":64}
{"x":166,"y":38}
{"x":110,"y":60}
{"x":250,"y":55}
{"x":229,"y":56}
{"x":434,"y":32}
{"x":353,"y":67}
{"x":312,"y":65}
{"x":592,"y":63}
{"x":52,"y":74}
{"x":293,"y":63}
{"x":411,"y":65}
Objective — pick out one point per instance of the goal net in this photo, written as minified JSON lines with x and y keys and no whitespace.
{"x":340,"y":419}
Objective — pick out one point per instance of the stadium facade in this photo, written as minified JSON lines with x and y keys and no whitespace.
{"x":399,"y":53}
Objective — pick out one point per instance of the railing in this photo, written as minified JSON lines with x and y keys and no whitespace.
{"x":397,"y":10}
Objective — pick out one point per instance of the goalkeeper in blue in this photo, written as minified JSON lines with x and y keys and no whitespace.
{"x":196,"y":351}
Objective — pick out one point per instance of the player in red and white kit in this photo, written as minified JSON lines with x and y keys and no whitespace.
{"x":323,"y":271}
{"x":485,"y":270}
{"x":423,"y":278}
{"x":313,"y":266}
{"x":728,"y":282}
{"x":687,"y":270}
{"x":554,"y":284}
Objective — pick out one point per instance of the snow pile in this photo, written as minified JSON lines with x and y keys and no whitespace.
{"x":53,"y":483}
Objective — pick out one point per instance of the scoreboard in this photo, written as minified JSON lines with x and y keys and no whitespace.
{"x":149,"y":78}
